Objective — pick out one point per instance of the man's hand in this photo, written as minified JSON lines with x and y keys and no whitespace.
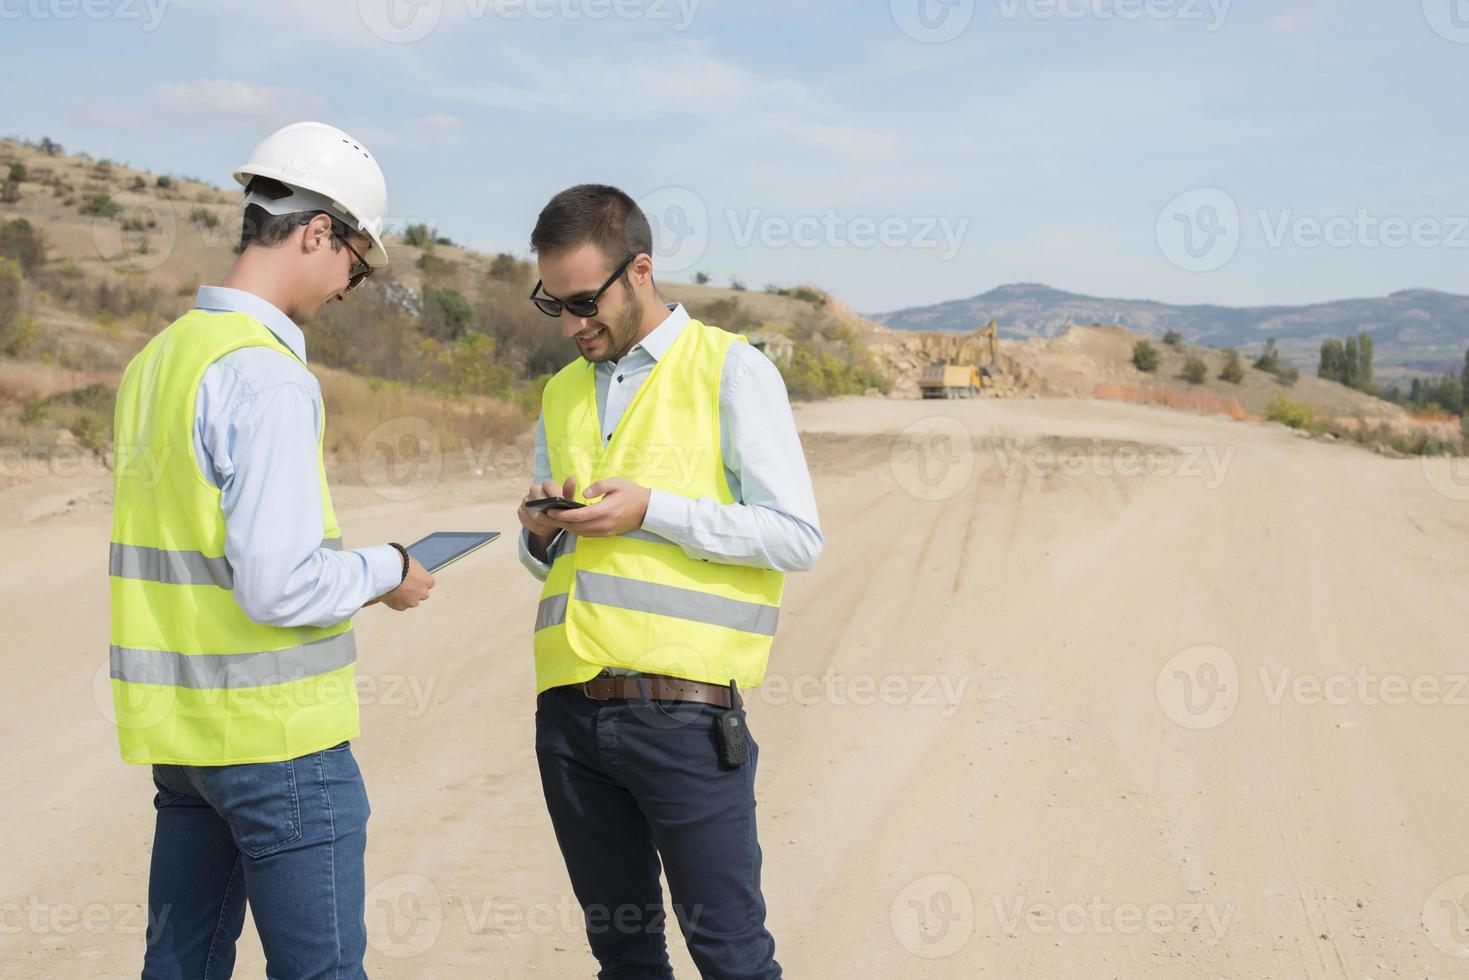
{"x":541,"y":529}
{"x":414,"y":589}
{"x":622,"y":508}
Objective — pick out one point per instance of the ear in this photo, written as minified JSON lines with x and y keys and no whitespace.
{"x":641,"y":270}
{"x":316,"y":234}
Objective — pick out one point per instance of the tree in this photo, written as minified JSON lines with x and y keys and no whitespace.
{"x":505,"y":267}
{"x":702,"y":278}
{"x":1195,"y":370}
{"x":1269,"y":359}
{"x":48,"y":147}
{"x":446,"y":313}
{"x":419,"y":235}
{"x":24,"y":244}
{"x":12,"y":301}
{"x":1145,"y":357}
{"x":1234,"y":370}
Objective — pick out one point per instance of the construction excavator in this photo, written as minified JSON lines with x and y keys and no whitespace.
{"x":943,"y":379}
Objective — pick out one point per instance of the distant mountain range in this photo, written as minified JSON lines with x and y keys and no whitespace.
{"x":1418,"y":329}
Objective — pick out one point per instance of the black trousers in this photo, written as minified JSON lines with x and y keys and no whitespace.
{"x":632,"y":786}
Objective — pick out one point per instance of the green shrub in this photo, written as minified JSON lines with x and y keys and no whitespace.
{"x":446,"y":313}
{"x":1145,"y":357}
{"x":702,"y":278}
{"x":419,"y":235}
{"x":164,"y":183}
{"x":1234,"y":369}
{"x":139,"y":183}
{"x":1195,"y":370}
{"x":1288,"y":411}
{"x":434,"y":267}
{"x":17,"y":173}
{"x":204,"y":218}
{"x":100,"y":206}
{"x":1173,"y":338}
{"x":12,"y":301}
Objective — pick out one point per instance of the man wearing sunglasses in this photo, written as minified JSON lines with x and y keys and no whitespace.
{"x":232,"y":654}
{"x":661,"y":597}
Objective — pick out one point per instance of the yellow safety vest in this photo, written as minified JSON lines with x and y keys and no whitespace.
{"x":194,"y":680}
{"x":635,"y":600}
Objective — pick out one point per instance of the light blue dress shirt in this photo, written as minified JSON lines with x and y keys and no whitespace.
{"x":257,"y":424}
{"x":773,"y":523}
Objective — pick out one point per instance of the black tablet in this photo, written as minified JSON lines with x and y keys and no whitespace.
{"x":445,"y":547}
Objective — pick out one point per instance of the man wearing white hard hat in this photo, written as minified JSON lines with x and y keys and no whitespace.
{"x":232,"y":653}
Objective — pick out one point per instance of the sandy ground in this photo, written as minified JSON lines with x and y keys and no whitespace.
{"x":1078,"y":689}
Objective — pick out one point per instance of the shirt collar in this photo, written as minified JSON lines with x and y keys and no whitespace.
{"x":662,"y":336}
{"x":219,"y":299}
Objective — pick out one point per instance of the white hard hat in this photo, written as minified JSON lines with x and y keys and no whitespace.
{"x":329,"y":171}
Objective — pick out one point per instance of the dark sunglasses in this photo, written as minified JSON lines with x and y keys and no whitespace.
{"x":586,"y":306}
{"x":359,"y":272}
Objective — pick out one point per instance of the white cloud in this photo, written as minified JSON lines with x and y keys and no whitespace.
{"x":236,"y":101}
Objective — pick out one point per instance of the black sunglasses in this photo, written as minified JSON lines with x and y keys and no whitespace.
{"x":359,"y":272}
{"x":585,"y":307}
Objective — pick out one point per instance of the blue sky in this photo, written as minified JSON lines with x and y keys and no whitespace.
{"x":898,"y":152}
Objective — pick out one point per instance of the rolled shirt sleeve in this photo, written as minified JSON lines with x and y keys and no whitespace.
{"x":774,"y":524}
{"x":265,"y":458}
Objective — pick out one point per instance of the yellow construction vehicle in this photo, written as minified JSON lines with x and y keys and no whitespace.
{"x":941,"y":379}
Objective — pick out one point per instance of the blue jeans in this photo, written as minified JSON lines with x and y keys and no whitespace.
{"x":290,"y":837}
{"x":634,"y":785}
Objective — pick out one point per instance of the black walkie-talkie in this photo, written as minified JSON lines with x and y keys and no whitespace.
{"x":734,"y":741}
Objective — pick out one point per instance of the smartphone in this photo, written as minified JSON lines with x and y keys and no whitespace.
{"x":553,"y":503}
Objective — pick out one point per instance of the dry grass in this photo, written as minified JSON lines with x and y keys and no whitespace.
{"x":28,"y":381}
{"x":367,"y":417}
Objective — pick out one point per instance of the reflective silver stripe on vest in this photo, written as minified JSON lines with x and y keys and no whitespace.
{"x":233,"y":670}
{"x":137,"y":561}
{"x":171,"y":567}
{"x":551,"y":611}
{"x":680,"y":603}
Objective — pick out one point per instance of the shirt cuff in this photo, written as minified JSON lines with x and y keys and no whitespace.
{"x":669,"y":515}
{"x":540,"y":569}
{"x":384,"y":568}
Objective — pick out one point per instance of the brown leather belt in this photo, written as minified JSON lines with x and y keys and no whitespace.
{"x":660,"y":687}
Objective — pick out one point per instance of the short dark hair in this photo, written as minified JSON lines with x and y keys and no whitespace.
{"x":260,"y":227}
{"x":597,"y":214}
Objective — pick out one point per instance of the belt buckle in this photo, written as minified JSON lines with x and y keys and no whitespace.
{"x":585,"y":686}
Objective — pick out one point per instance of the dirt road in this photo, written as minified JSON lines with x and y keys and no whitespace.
{"x":1078,"y":689}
